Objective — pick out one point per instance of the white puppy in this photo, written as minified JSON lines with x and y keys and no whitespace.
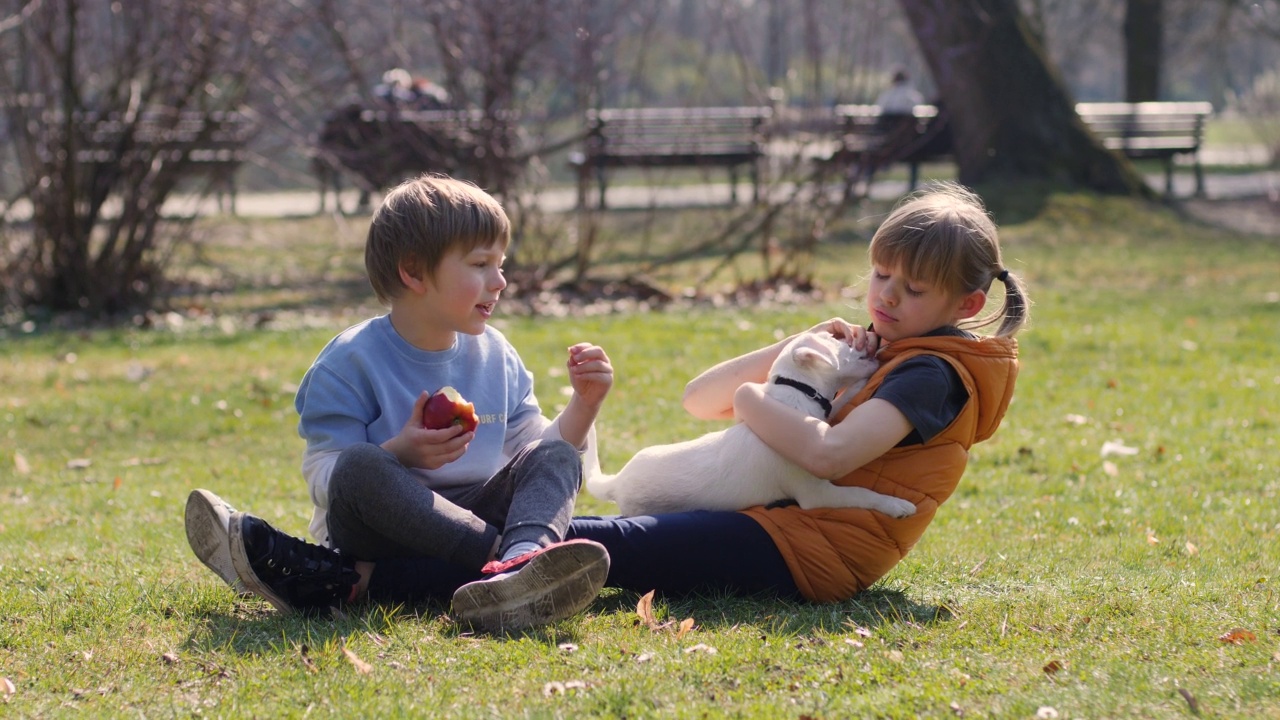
{"x":733,"y":469}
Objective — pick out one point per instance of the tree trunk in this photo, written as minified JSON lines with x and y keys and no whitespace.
{"x":1011,"y":116}
{"x":1143,"y":40}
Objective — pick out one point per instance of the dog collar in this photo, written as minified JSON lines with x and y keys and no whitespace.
{"x":808,"y":391}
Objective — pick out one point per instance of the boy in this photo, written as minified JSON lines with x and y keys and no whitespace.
{"x":388,"y":490}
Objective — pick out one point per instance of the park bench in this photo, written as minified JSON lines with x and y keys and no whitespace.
{"x":209,"y":144}
{"x":1151,"y":130}
{"x":212,"y":143}
{"x":382,"y":146}
{"x":698,"y":137}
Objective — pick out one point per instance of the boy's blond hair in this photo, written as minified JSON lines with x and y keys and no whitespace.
{"x":422,"y":220}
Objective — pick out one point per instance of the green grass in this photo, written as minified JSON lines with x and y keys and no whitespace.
{"x":1124,"y":571}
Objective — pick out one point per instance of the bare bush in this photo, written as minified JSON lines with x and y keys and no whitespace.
{"x":104,"y":99}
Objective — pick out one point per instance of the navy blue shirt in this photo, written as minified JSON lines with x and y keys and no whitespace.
{"x":927,"y":390}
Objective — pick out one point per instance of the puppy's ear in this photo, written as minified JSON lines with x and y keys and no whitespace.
{"x":812,"y":357}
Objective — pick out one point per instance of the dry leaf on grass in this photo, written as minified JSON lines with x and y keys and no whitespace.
{"x":361,"y":666}
{"x":305,"y":653}
{"x":1237,"y":636}
{"x":6,"y":685}
{"x":1192,"y":549}
{"x":20,"y":464}
{"x":1115,"y":447}
{"x":1191,"y":700}
{"x":1052,"y":667}
{"x":644,"y":609}
{"x":685,"y":626}
{"x":555,"y":687}
{"x":701,"y":647}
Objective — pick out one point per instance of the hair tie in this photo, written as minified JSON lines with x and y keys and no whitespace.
{"x":1003,"y":276}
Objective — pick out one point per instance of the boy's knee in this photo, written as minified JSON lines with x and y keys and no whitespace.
{"x":557,"y":451}
{"x":556,"y":454}
{"x":353,"y":466}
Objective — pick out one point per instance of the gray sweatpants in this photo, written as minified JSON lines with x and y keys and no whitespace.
{"x":380,"y":509}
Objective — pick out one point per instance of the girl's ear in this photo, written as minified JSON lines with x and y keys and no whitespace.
{"x":971,"y":305}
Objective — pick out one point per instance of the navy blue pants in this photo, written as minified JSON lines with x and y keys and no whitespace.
{"x":675,"y":554}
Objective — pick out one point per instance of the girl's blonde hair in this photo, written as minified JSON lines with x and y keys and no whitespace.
{"x":420,"y":221}
{"x":944,"y":236}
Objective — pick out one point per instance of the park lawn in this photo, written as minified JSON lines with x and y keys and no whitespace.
{"x":1063,"y":579}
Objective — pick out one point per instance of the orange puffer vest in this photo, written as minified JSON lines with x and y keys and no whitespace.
{"x":834,"y":553}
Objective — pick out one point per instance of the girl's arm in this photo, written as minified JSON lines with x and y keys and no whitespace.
{"x":710,"y":395}
{"x":826,"y":451}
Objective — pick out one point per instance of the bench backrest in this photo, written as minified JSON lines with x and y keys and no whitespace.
{"x":1168,"y":125}
{"x":695,"y":130}
{"x":215,"y":137}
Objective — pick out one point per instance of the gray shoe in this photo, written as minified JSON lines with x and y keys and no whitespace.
{"x":208,"y":518}
{"x":537,"y":588}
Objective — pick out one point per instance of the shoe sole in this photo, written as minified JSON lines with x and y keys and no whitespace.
{"x":553,"y":586}
{"x":240,"y":560}
{"x":207,"y":535}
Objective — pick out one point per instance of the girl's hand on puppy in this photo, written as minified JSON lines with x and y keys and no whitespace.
{"x":857,"y":336}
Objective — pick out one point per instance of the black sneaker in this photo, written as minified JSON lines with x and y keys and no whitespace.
{"x":291,"y":574}
{"x":540,"y":587}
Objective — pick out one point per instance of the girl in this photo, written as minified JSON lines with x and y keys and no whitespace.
{"x":940,"y":388}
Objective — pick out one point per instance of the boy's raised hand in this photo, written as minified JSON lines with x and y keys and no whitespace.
{"x":590,"y":372}
{"x":420,"y":447}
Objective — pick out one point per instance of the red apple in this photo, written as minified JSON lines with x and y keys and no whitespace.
{"x":445,"y":408}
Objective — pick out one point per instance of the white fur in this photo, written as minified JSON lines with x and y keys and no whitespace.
{"x":733,"y":469}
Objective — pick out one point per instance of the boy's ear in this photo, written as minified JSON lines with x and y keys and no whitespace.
{"x":971,"y":305}
{"x":415,"y":284}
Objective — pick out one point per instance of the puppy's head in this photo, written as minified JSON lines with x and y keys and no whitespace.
{"x":825,"y":361}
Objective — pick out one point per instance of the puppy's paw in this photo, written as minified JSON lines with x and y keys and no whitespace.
{"x":898,"y":508}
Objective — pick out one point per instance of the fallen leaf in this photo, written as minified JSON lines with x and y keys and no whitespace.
{"x":555,"y":687}
{"x":1237,"y":636}
{"x":1110,"y":468}
{"x":170,"y":658}
{"x":115,"y":484}
{"x":361,"y":666}
{"x":305,"y":653}
{"x":644,"y":657}
{"x":685,"y":626}
{"x":1115,"y":447}
{"x":79,"y":463}
{"x":6,"y":685}
{"x":1192,"y":549}
{"x":20,"y":464}
{"x":644,"y":609}
{"x":701,"y":647}
{"x":1191,"y":700}
{"x":1052,"y":667}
